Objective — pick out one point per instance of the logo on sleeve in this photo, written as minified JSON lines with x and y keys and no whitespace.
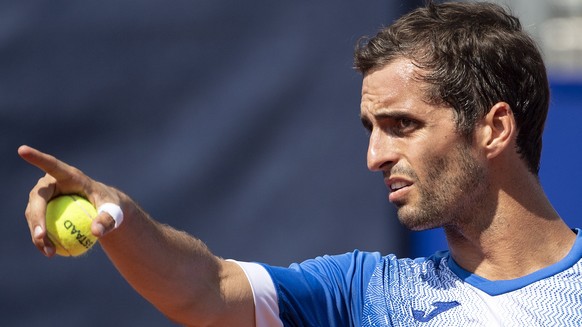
{"x":439,"y":307}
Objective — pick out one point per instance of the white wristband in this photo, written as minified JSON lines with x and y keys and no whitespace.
{"x":114,"y":211}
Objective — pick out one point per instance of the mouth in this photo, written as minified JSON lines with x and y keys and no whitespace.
{"x":398,"y":188}
{"x":398,"y":185}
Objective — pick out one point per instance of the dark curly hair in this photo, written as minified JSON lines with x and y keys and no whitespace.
{"x":472,"y":55}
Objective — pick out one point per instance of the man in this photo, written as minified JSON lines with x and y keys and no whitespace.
{"x":455,"y":98}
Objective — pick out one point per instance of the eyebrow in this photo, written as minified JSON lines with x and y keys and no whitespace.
{"x":391,"y":114}
{"x":366,"y":122}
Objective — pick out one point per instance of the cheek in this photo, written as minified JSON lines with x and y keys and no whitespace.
{"x":435,"y":168}
{"x":429,"y":163}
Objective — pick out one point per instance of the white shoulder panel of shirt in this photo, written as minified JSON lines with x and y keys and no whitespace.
{"x":264,"y":294}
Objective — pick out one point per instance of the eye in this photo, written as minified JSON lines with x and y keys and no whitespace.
{"x":404,"y":126}
{"x":405,"y":123}
{"x":367,"y":125}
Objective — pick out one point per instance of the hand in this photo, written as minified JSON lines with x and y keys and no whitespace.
{"x":61,"y":178}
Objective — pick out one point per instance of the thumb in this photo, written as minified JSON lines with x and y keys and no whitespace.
{"x":102,"y":224}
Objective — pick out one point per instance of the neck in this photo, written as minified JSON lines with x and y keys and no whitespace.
{"x":522,"y":234}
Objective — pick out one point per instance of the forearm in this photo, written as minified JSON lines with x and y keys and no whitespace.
{"x":175,"y":271}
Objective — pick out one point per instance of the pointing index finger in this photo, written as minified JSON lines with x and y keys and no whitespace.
{"x":47,"y":163}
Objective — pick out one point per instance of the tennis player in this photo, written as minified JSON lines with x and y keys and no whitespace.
{"x":454,"y":96}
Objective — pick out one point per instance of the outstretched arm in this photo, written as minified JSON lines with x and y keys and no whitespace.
{"x":173,"y":270}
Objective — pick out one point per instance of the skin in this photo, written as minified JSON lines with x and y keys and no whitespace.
{"x":171,"y":269}
{"x":447,"y":181}
{"x":498,"y":222}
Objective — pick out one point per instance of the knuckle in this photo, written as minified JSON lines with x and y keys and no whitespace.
{"x":27,"y":211}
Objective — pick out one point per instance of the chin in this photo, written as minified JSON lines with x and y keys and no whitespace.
{"x":416,"y":220}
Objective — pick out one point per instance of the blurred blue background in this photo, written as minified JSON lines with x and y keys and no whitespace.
{"x":234,"y":121}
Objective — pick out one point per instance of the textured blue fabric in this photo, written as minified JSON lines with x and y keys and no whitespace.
{"x":325,"y":291}
{"x":365,"y":289}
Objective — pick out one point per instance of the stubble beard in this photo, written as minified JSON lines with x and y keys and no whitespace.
{"x":455,"y":187}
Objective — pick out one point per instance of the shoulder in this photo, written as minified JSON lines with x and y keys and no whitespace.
{"x":337,"y":272}
{"x":364,"y":264}
{"x":347,"y":262}
{"x":324,"y":291}
{"x":393,"y":270}
{"x":437,"y":261}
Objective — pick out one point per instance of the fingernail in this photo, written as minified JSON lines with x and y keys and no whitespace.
{"x":37,"y":231}
{"x":100,"y":229}
{"x":49,"y":251}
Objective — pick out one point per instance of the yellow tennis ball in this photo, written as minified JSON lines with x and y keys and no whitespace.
{"x":68,"y":223}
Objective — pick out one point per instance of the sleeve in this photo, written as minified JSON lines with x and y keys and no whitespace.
{"x":264,"y":295}
{"x":325,"y":291}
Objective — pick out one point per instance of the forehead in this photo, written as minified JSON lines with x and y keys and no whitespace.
{"x":399,"y":72}
{"x":390,"y":82}
{"x":396,"y":90}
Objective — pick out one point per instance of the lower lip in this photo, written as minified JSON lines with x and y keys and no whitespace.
{"x":396,"y":196}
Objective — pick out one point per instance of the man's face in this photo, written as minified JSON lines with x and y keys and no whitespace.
{"x":433,"y":174}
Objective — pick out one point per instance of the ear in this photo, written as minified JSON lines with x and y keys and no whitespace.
{"x":498,"y":130}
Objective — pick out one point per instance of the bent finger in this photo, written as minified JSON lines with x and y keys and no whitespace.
{"x":35,"y":215}
{"x":102,"y":224}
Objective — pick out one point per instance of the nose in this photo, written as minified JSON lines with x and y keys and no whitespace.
{"x":381,"y":151}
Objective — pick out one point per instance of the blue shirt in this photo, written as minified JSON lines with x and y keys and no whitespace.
{"x":367,"y":289}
